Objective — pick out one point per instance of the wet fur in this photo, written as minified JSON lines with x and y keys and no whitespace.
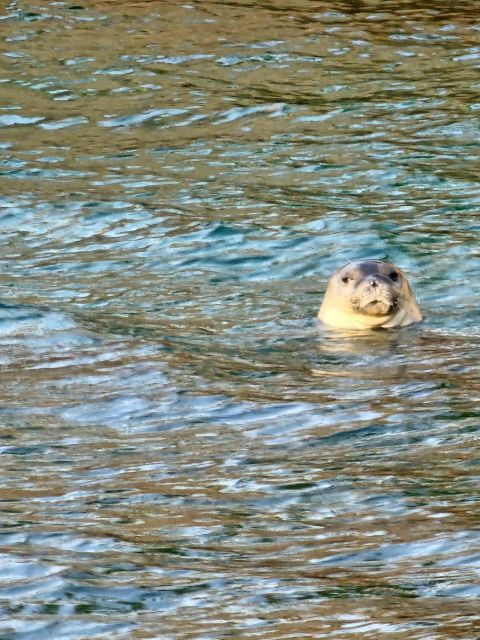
{"x":363,"y":295}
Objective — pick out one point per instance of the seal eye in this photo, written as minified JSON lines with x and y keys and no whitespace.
{"x":393,"y":276}
{"x":346,"y":279}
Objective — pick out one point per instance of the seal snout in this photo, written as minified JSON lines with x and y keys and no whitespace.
{"x":378,"y":280}
{"x":374,"y":296}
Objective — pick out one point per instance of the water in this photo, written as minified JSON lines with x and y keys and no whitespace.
{"x":185,"y":454}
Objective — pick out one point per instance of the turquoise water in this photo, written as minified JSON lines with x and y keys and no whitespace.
{"x":185,"y":453}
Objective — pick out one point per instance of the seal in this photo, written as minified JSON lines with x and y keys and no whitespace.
{"x":369,"y":294}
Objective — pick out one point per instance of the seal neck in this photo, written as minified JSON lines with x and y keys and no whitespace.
{"x":336,"y":318}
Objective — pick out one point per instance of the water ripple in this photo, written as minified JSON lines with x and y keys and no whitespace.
{"x":177,"y":434}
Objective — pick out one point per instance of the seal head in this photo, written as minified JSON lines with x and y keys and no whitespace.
{"x":368,"y":294}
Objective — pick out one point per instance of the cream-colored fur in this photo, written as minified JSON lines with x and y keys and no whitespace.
{"x":364,"y":295}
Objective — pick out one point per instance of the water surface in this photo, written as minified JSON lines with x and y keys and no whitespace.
{"x":185,"y":453}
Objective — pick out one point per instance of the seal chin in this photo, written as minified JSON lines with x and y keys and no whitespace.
{"x":377,"y":308}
